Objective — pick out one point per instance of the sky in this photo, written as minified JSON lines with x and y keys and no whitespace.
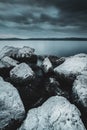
{"x":43,"y":18}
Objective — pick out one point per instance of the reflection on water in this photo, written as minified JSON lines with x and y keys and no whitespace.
{"x":60,"y":48}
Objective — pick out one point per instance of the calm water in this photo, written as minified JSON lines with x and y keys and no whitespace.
{"x":60,"y":48}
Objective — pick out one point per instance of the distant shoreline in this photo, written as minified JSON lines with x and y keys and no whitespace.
{"x":44,"y":39}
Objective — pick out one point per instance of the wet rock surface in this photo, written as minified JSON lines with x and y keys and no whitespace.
{"x":28,"y":81}
{"x":55,"y":114}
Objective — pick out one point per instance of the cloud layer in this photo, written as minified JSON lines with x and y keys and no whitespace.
{"x":43,"y":16}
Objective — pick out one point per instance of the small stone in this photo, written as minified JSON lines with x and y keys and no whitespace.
{"x":47,"y":65}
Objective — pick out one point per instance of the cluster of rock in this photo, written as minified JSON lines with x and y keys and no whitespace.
{"x":42,"y":92}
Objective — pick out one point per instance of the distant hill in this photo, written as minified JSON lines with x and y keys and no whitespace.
{"x":45,"y":39}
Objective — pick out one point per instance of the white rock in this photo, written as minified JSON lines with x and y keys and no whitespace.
{"x":16,"y":52}
{"x":8,"y":51}
{"x":55,"y":114}
{"x":46,"y":65}
{"x":11,"y":107}
{"x":4,"y":65}
{"x":79,"y":91}
{"x":9,"y":61}
{"x":73,"y":65}
{"x":25,"y":51}
{"x":22,"y":72}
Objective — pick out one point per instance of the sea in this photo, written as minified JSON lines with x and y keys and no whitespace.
{"x":57,"y":48}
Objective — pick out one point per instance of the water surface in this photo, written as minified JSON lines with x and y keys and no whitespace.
{"x":59,"y":48}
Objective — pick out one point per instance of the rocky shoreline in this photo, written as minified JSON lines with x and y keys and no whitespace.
{"x":42,"y":92}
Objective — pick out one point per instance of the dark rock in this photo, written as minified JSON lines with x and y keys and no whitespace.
{"x":5,"y":69}
{"x":53,"y":88}
{"x":32,"y":92}
{"x":25,"y":54}
{"x":55,"y":60}
{"x":31,"y":95}
{"x":59,"y":61}
{"x":55,"y":114}
{"x":32,"y":59}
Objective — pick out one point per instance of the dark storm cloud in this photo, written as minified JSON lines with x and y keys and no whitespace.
{"x":55,"y":15}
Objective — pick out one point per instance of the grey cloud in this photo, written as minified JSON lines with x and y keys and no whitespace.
{"x":55,"y":15}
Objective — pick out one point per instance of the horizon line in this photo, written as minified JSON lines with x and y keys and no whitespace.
{"x":45,"y":38}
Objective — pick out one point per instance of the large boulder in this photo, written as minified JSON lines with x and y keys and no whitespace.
{"x":79,"y":95}
{"x":79,"y":91}
{"x":55,"y":114}
{"x":12,"y":111}
{"x":22,"y":73}
{"x":72,"y":67}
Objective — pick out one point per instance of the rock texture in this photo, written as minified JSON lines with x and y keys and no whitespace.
{"x":26,"y":51}
{"x":22,"y":73}
{"x":79,"y":91}
{"x":25,"y":54}
{"x":79,"y":95}
{"x":72,"y":67}
{"x":36,"y":79}
{"x":21,"y":54}
{"x":55,"y":114}
{"x":9,"y":61}
{"x":12,"y":110}
{"x":8,"y":51}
